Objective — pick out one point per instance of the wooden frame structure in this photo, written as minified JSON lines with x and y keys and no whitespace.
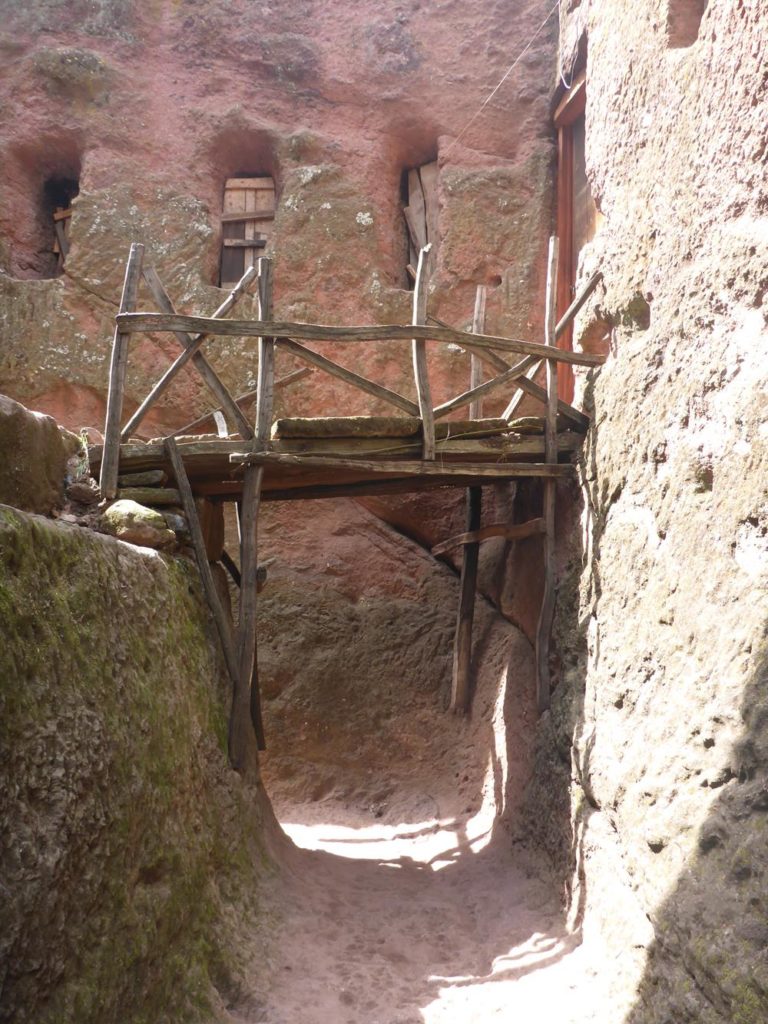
{"x":420,"y":455}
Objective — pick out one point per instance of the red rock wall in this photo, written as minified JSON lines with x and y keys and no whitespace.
{"x":153,"y":106}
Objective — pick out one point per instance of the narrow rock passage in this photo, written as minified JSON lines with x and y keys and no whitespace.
{"x":421,"y":923}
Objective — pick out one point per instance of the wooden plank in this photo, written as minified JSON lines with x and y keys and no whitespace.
{"x":419,"y":355}
{"x":496,"y":470}
{"x":462,"y":648}
{"x":235,"y":217}
{"x":518,"y":531}
{"x":348,"y":430}
{"x":471,"y":396}
{"x":475,"y":364}
{"x":417,"y":208}
{"x":349,"y":376}
{"x":61,"y":238}
{"x":201,"y":364}
{"x":117,"y":370}
{"x":546,"y":615}
{"x":579,"y":419}
{"x":189,"y":353}
{"x":133,"y":323}
{"x":428,"y":176}
{"x":515,"y":402}
{"x":209,"y":587}
{"x":261,"y":183}
{"x":416,"y":232}
{"x":244,"y":243}
{"x":62,"y":214}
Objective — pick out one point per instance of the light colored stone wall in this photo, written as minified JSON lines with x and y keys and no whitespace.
{"x":653,"y":760}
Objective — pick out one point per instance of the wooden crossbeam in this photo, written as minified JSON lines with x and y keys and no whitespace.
{"x":217,"y":388}
{"x":348,"y":376}
{"x":517,"y":531}
{"x":497,"y":470}
{"x":189,"y":353}
{"x":133,"y":323}
{"x":419,"y":356}
{"x":482,"y":390}
{"x":117,"y":370}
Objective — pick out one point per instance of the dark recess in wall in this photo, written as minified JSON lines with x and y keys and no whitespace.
{"x":683,"y":22}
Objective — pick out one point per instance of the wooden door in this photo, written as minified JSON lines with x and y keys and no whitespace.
{"x":247,"y":222}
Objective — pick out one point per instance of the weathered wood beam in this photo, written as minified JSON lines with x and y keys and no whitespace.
{"x":211,"y":326}
{"x":546,"y":616}
{"x":482,"y":390}
{"x":231,"y":566}
{"x":348,"y":376}
{"x":419,"y":356}
{"x":198,"y":543}
{"x":518,"y":531}
{"x":189,"y":353}
{"x":246,"y":700}
{"x":117,"y":371}
{"x":530,"y":387}
{"x":214,"y":384}
{"x":475,"y":363}
{"x":496,"y":470}
{"x":237,"y":216}
{"x":514,"y":404}
{"x":578,"y":302}
{"x":462,"y":647}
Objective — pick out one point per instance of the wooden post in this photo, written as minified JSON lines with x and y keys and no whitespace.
{"x":209,"y":587}
{"x":462,"y":648}
{"x":117,"y":369}
{"x":419,"y":347}
{"x":246,"y":699}
{"x":475,"y":365}
{"x":544,"y":628}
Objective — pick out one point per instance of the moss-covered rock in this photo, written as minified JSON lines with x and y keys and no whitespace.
{"x":126,"y":837}
{"x":129,"y":521}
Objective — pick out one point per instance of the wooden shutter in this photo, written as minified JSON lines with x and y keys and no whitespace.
{"x":421,"y":213}
{"x":247,"y":221}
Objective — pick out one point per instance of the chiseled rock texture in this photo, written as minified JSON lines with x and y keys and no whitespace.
{"x":654,"y":759}
{"x":35,"y":452}
{"x":152,"y":106}
{"x":131,"y":857}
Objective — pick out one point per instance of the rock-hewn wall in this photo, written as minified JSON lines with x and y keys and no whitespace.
{"x":653,"y":761}
{"x":153,"y":106}
{"x":131,"y":857}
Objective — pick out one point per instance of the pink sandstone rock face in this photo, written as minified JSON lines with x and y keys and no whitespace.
{"x":151,"y":108}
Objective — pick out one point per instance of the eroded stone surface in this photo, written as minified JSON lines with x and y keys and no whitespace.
{"x":34,"y":458}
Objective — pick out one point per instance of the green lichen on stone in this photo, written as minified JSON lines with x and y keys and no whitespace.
{"x":77,"y":74}
{"x":124,"y":825}
{"x":636,"y":315}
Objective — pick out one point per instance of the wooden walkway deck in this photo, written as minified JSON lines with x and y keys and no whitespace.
{"x":299,"y":459}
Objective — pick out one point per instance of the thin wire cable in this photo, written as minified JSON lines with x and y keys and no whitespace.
{"x":508,"y":72}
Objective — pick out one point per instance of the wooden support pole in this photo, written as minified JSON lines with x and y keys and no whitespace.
{"x":117,"y":371}
{"x":209,"y":587}
{"x":419,"y":350}
{"x":200,"y":363}
{"x":335,"y":370}
{"x":246,"y":699}
{"x":544,"y":628}
{"x":475,"y":365}
{"x":230,"y":565}
{"x":462,"y":647}
{"x":181,"y":361}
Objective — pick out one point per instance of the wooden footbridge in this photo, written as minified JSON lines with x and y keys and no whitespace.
{"x":293,"y":459}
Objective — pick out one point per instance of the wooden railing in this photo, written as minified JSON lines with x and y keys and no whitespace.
{"x":194,"y":331}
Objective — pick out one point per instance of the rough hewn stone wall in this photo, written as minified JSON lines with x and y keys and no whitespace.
{"x":131,"y":856}
{"x":154,"y":105}
{"x":653,"y":761}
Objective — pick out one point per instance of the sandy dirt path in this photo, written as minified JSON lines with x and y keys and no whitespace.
{"x":419,"y":924}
